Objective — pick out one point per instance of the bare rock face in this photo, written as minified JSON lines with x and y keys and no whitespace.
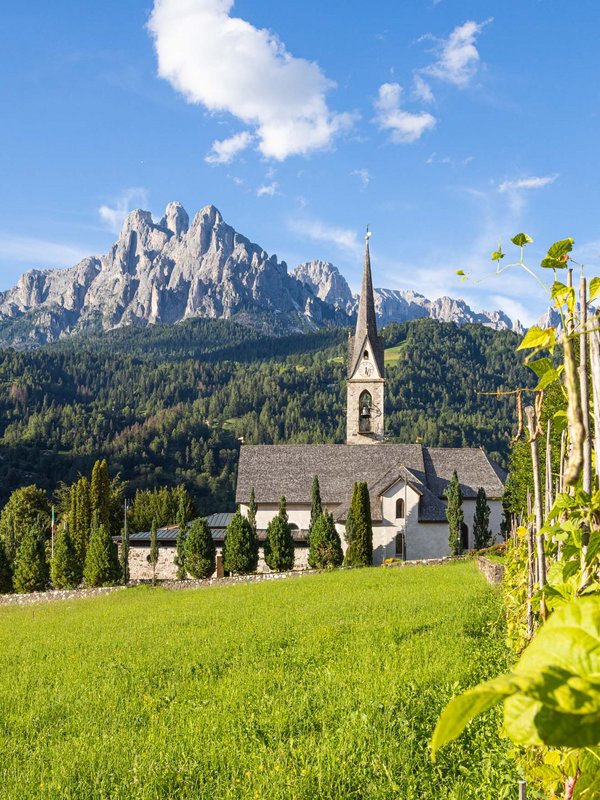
{"x":162,"y":272}
{"x":327,"y":283}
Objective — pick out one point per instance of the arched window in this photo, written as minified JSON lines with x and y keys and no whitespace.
{"x":400,"y":509}
{"x":400,"y":546}
{"x":293,"y":527}
{"x":366,"y":354}
{"x":365,"y":403}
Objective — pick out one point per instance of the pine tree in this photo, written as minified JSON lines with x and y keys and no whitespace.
{"x":454,"y":515}
{"x":100,"y":493}
{"x":482,"y":535}
{"x":279,"y":544}
{"x":240,"y":548}
{"x":102,"y":561}
{"x":360,"y":550}
{"x":180,"y":545}
{"x":5,"y":571}
{"x":63,"y":567}
{"x":252,"y":510}
{"x":316,"y":507}
{"x":31,"y":567}
{"x":325,"y":546}
{"x":200,"y":550}
{"x":152,"y":556}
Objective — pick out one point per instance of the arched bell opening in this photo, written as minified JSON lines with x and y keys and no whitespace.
{"x":365,"y":405}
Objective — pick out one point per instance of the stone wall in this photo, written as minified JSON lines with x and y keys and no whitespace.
{"x":493,"y":571}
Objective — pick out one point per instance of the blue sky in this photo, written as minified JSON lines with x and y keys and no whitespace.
{"x":446,"y":125}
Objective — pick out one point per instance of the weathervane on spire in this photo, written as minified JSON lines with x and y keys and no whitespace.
{"x":368,"y":234}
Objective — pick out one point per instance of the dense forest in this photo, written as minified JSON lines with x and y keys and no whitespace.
{"x":168,"y":405}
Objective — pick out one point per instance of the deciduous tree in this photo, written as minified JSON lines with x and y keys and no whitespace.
{"x":26,"y":508}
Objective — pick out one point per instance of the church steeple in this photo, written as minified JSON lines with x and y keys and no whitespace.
{"x":364,"y":413}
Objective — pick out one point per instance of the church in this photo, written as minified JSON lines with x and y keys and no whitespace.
{"x":406,"y":481}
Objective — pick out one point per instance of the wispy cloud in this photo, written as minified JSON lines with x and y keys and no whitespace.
{"x":227,"y":65}
{"x":267,"y":189}
{"x":405,"y":127}
{"x":225,"y":150}
{"x":458,"y":59}
{"x":364,"y":176}
{"x":421,"y":90}
{"x":113,"y":215}
{"x":343,"y":238}
{"x":29,"y":250}
{"x":533,"y":182}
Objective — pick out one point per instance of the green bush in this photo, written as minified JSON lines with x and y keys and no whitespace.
{"x":31,"y":567}
{"x":240,"y":548}
{"x":5,"y":571}
{"x":325,"y":545}
{"x":200,"y":552}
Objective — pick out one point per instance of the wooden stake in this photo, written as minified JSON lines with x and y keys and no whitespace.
{"x":549,"y":487}
{"x":522,"y":790}
{"x":594,"y":337}
{"x":583,"y":387}
{"x":537,"y":496}
{"x":531,"y":567}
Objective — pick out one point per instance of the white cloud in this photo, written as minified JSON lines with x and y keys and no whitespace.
{"x":227,"y":65}
{"x":113,"y":216}
{"x":515,"y":309}
{"x":29,"y":250}
{"x":404,"y":126}
{"x":458,"y":57}
{"x":422,"y":90}
{"x":533,"y":182}
{"x":363,"y":174}
{"x":343,"y":238}
{"x":224,"y":151}
{"x":267,"y":190}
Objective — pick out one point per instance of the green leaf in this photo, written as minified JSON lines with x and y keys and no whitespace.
{"x":460,"y":272}
{"x":594,"y":289}
{"x":563,"y":294}
{"x":538,"y":337}
{"x":521,"y":239}
{"x":541,"y":366}
{"x":558,"y":254}
{"x":497,"y":255}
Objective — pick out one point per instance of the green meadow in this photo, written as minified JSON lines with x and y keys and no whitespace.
{"x":325,"y":686}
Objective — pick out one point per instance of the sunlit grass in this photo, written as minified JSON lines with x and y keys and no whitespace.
{"x":324,"y":687}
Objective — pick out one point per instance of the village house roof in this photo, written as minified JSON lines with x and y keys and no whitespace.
{"x":275,"y":470}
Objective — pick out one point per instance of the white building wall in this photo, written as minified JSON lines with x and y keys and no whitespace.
{"x":496,"y":517}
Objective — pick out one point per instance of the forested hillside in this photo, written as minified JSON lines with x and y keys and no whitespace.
{"x":167,"y":404}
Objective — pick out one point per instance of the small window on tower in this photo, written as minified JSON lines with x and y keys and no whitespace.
{"x":366,"y":354}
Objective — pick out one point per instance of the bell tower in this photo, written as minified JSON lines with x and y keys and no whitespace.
{"x":366,"y":377}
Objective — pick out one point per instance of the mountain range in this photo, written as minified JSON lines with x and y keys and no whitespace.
{"x":171,"y":270}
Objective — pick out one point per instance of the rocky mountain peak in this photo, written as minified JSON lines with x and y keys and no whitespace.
{"x":175,"y":219}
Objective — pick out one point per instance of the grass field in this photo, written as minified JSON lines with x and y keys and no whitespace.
{"x":392,"y":354}
{"x":326,"y":686}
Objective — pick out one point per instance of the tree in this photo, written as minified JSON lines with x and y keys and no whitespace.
{"x":5,"y":571}
{"x":100,"y":491}
{"x":325,"y":545}
{"x":180,"y":545}
{"x":31,"y":567}
{"x":64,"y":570}
{"x":316,"y":507}
{"x":26,"y":508}
{"x":360,"y":550}
{"x":252,"y":510}
{"x":152,"y":556}
{"x":80,"y":524}
{"x":279,"y":544}
{"x":200,"y":550}
{"x":481,"y":521}
{"x":101,"y":562}
{"x":124,"y":554}
{"x":240,"y":548}
{"x":454,"y":515}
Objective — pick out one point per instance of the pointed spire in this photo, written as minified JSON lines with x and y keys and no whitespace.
{"x":366,"y":323}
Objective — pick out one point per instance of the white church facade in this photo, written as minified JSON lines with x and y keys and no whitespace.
{"x":406,"y":481}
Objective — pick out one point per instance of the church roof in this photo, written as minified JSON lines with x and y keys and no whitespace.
{"x":366,"y":323}
{"x":275,"y":470}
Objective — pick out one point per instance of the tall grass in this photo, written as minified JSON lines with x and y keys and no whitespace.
{"x":324,"y":687}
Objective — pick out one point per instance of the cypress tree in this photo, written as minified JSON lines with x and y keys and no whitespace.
{"x":81,"y":530}
{"x":325,"y":545}
{"x":180,"y":545}
{"x":31,"y":567}
{"x":5,"y":571}
{"x":200,"y":550}
{"x":100,"y":493}
{"x":153,"y":554}
{"x":252,"y":510}
{"x":279,"y":544}
{"x":481,"y":521}
{"x":124,"y":555}
{"x":63,"y":567}
{"x":454,"y":514}
{"x":360,"y":549}
{"x":316,"y":507}
{"x":240,"y":548}
{"x":102,"y":561}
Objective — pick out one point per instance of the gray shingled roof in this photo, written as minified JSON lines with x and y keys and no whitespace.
{"x":274,"y":470}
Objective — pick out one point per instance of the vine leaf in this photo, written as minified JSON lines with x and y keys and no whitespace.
{"x":594,"y":289}
{"x":558,"y":254}
{"x":538,"y":337}
{"x":521,"y":239}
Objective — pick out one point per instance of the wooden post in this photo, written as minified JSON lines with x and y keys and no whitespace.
{"x":549,"y":487}
{"x":594,"y":336}
{"x":537,"y":496}
{"x":531,"y":567}
{"x":522,"y":790}
{"x":583,"y":387}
